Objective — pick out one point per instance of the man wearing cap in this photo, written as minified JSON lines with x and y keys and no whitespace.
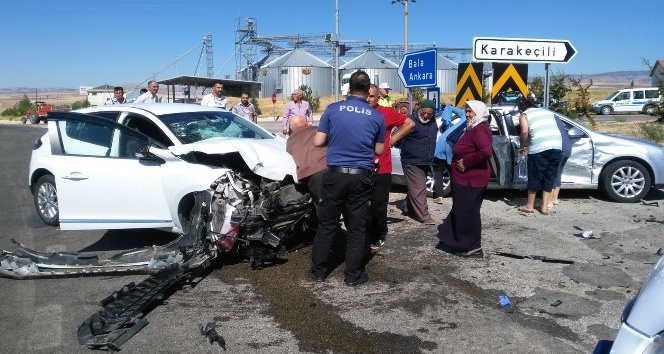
{"x":417,"y":150}
{"x":385,"y":100}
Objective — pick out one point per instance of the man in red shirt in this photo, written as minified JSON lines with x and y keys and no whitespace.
{"x":377,"y":228}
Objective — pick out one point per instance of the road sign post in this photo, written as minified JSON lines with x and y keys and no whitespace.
{"x":514,"y":50}
{"x":418,"y":69}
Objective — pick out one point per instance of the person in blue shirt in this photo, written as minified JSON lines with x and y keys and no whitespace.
{"x":442,"y":155}
{"x":417,"y":149}
{"x":354,"y":133}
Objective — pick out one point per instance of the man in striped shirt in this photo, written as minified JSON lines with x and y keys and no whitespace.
{"x":541,"y":139}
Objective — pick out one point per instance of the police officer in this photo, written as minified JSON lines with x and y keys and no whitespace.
{"x":353,"y":132}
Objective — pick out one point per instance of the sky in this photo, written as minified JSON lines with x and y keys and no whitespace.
{"x":72,"y":43}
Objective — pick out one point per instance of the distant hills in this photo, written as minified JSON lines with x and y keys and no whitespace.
{"x":619,"y":79}
{"x":31,"y":90}
{"x":609,"y":80}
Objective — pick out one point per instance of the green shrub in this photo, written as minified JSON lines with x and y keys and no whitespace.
{"x":80,"y":104}
{"x":20,"y":108}
{"x":254,"y":101}
{"x":314,"y":100}
{"x":652,"y":131}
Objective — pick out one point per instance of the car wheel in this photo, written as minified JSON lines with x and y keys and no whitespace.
{"x":606,"y":110}
{"x":34,"y":118}
{"x":625,"y":181}
{"x":46,"y":200}
{"x":431,"y":183}
{"x":649,"y":109}
{"x":402,"y":108}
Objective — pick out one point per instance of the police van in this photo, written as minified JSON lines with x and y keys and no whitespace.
{"x":637,"y":100}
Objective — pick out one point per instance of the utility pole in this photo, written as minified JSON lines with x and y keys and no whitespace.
{"x":336,"y":54}
{"x":405,"y":43}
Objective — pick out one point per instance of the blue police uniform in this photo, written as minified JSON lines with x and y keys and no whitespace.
{"x":352,"y":127}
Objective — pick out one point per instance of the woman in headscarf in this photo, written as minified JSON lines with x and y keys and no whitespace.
{"x":461,"y":232}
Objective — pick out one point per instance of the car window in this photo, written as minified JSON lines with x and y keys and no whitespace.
{"x":147,"y":127}
{"x":611,"y":96}
{"x":191,"y":127}
{"x":87,"y":138}
{"x":623,"y":96}
{"x":110,"y":115}
{"x":652,"y":93}
{"x":638,"y":95}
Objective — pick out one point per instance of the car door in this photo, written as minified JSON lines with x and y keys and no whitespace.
{"x":505,"y":148}
{"x":623,"y":102}
{"x":101,"y":184}
{"x":578,"y":170}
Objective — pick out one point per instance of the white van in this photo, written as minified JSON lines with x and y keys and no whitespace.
{"x":636,"y":100}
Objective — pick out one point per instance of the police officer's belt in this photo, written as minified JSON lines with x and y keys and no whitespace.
{"x":351,"y":171}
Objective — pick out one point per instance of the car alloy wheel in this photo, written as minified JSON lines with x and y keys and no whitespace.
{"x":46,"y":200}
{"x":626,"y":181}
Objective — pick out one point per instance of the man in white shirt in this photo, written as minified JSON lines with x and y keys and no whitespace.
{"x":151,"y":95}
{"x":215,"y":98}
{"x":118,"y":96}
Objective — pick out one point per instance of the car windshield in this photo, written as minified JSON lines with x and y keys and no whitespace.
{"x":610,"y":97}
{"x":191,"y":127}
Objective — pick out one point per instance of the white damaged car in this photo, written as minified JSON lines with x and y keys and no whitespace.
{"x":141,"y":165}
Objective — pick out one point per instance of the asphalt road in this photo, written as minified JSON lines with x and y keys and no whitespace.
{"x":417,"y":300}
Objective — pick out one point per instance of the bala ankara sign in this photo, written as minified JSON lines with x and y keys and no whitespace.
{"x":418,"y":69}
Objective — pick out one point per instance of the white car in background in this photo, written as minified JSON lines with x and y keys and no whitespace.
{"x":140,"y":166}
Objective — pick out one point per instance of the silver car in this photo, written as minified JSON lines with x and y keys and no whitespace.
{"x":624,"y":168}
{"x":642,"y":322}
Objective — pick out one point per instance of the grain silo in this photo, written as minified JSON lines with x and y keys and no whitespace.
{"x":446,"y":74}
{"x":293,"y":69}
{"x":378,"y":68}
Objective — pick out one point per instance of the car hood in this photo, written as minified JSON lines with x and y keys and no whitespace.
{"x":647,"y":313}
{"x":267,"y":158}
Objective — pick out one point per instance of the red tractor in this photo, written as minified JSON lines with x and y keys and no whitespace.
{"x":39,"y":114}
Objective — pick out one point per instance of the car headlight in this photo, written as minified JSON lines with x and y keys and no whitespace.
{"x":657,"y":346}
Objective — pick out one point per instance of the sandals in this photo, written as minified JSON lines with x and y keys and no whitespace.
{"x":476,"y":253}
{"x":524,"y":210}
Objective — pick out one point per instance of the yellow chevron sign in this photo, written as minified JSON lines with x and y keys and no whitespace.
{"x":509,"y":77}
{"x":469,"y":85}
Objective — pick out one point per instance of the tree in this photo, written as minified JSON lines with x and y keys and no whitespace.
{"x":418,"y":95}
{"x":558,"y":89}
{"x":80,"y":104}
{"x":537,"y":86}
{"x":581,"y":102}
{"x":660,"y":84}
{"x":20,"y":108}
{"x":254,"y":101}
{"x":314,"y":100}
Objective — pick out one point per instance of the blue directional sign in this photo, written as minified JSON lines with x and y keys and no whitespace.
{"x":418,"y":69}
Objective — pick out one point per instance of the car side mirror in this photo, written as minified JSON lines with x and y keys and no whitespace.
{"x":575,"y":133}
{"x":143,"y":153}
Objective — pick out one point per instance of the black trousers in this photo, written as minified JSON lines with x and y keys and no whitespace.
{"x":349,"y":195}
{"x":380,"y":196}
{"x":438,"y":169}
